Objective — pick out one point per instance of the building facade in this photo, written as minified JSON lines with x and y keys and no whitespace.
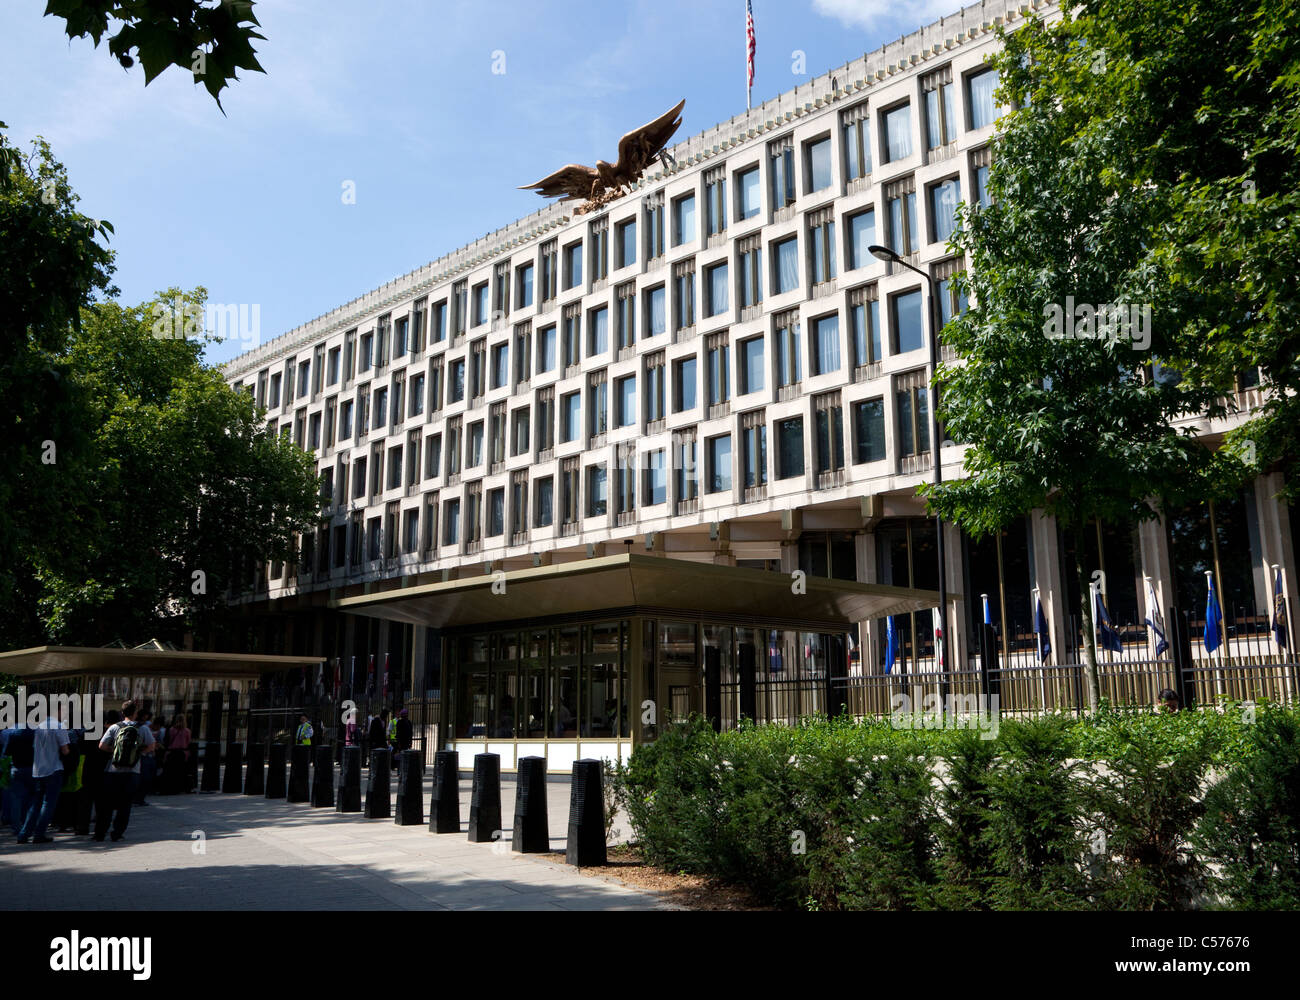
{"x":714,"y":369}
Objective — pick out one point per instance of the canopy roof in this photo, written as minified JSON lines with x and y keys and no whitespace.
{"x":64,"y":661}
{"x":630,"y":581}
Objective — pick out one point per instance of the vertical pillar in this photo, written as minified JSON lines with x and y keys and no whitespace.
{"x":1048,"y":578}
{"x":1278,"y":548}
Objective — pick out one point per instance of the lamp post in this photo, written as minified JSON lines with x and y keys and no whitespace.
{"x":892,"y":257}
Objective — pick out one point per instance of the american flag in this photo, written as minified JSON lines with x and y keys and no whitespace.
{"x":750,"y":44}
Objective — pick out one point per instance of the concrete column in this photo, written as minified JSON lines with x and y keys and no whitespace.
{"x":865,"y":544}
{"x":1049,"y":579}
{"x":1277,"y":547}
{"x":958,"y":649}
{"x":1153,"y":550}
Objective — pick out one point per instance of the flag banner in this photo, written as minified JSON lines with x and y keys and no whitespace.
{"x":383,"y":687}
{"x":988,"y":620}
{"x":1106,"y":633}
{"x":938,"y":640}
{"x":890,"y":640}
{"x":370,"y":677}
{"x":751,"y":43}
{"x":1155,"y":622}
{"x":338,"y":670}
{"x":1279,"y":610}
{"x":1040,"y":630}
{"x":1213,"y":618}
{"x":352,"y":679}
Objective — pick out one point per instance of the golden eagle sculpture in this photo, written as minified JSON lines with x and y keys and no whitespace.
{"x":599,"y":185}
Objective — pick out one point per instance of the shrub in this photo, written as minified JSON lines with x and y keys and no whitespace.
{"x":1251,"y":826}
{"x":964,"y":802}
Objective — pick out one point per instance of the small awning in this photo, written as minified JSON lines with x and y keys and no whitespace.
{"x":67,"y":661}
{"x":628,"y":581}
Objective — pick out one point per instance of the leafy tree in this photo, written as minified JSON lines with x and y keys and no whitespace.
{"x":212,"y":39}
{"x":1070,"y":420}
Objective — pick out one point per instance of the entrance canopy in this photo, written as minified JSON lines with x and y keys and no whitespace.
{"x":651,"y":583}
{"x":51,"y":662}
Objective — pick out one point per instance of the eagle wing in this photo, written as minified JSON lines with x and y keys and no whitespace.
{"x":638,"y":148}
{"x":570,"y":181}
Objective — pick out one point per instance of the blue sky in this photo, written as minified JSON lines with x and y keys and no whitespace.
{"x":398,"y":97}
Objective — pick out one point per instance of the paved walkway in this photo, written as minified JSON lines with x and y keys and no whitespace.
{"x":235,"y":852}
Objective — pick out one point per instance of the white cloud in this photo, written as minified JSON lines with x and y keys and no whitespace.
{"x":873,"y":15}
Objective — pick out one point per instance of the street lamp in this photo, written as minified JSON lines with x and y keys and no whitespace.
{"x":892,"y":257}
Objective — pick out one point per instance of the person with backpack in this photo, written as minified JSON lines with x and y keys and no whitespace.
{"x":125,"y":742}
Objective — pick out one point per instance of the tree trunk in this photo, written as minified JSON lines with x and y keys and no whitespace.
{"x":1089,"y":637}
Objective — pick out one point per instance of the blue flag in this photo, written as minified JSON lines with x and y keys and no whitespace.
{"x":987,"y":619}
{"x":889,"y":644}
{"x":1213,"y":618}
{"x":1044,"y":637}
{"x":1279,"y":611}
{"x":1155,"y":621}
{"x":1106,"y":633}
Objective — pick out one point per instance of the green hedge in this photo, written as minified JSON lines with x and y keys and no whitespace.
{"x":1109,"y":812}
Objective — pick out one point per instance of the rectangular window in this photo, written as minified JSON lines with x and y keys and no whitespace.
{"x":716,"y":278}
{"x":367,"y":352}
{"x":500,"y":365}
{"x":332,"y":371}
{"x":474,"y":445}
{"x":789,"y":448}
{"x":394,"y":467}
{"x":625,"y":485}
{"x":349,"y":353}
{"x":569,"y":491}
{"x":417,"y":326}
{"x":717,"y":365}
{"x":654,"y":387}
{"x":501,"y":290}
{"x":913,"y":415}
{"x":684,"y":385}
{"x":401,"y":331}
{"x":898,"y":133}
{"x":785,"y":273}
{"x":683,"y":220}
{"x":546,"y":349}
{"x":685,"y":468}
{"x":781,"y":157}
{"x":497,"y":435}
{"x":496,"y":512}
{"x":600,"y":249}
{"x":460,"y":308}
{"x":473,"y":514}
{"x":857,"y":142}
{"x":451,"y":522}
{"x":544,"y":502}
{"x":345,"y":420}
{"x":750,"y":262}
{"x":572,"y":326}
{"x":951,"y":301}
{"x":654,"y":237}
{"x":830,"y":432}
{"x":626,"y":398}
{"x":545,"y":422}
{"x":751,"y":365}
{"x":656,"y":311}
{"x":980,"y":88}
{"x":597,"y":405}
{"x":909,"y":323}
{"x":715,"y":197}
{"x":417,"y":395}
{"x":381,"y":408}
{"x":818,"y":164}
{"x":944,"y":197}
{"x":519,"y":432}
{"x":719,"y":472}
{"x":864,"y":319}
{"x":940,"y":114}
{"x":523,"y":353}
{"x":826,"y":344}
{"x":789,"y":369}
{"x":821,"y":233}
{"x":477,"y":369}
{"x":573,"y":265}
{"x":753,"y":449}
{"x":481,"y":315}
{"x":627,"y":243}
{"x":900,"y":199}
{"x":599,"y":323}
{"x":656,"y":485}
{"x":749,"y":193}
{"x":524,"y":286}
{"x":438,"y":322}
{"x":684,"y":293}
{"x":550,"y":270}
{"x":411,"y":539}
{"x":456,"y":382}
{"x":432,"y":456}
{"x":862,"y":234}
{"x":626,"y":317}
{"x":869,"y":431}
{"x":597,"y":492}
{"x":570,"y":411}
{"x":453,"y":447}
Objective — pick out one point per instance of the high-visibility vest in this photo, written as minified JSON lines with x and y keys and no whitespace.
{"x":304,"y":734}
{"x":392,"y":729}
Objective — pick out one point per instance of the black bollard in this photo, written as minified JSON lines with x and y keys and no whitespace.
{"x":379,"y":794}
{"x":192,"y":768}
{"x":348,"y":799}
{"x":586,"y":816}
{"x":211,"y":766}
{"x":410,"y":790}
{"x":444,"y":803}
{"x":276,"y":785}
{"x":532,"y":834}
{"x":485,"y":799}
{"x":322,"y":778}
{"x":299,"y":774}
{"x":255,"y":774}
{"x":232,"y":780}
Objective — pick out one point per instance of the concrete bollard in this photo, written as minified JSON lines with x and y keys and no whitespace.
{"x":379,"y":796}
{"x":485,"y":799}
{"x":410,"y":790}
{"x":211,"y":766}
{"x":444,"y":804}
{"x":586,"y":845}
{"x":532,"y":832}
{"x":254,"y":773}
{"x":299,"y":774}
{"x":276,"y":786}
{"x":349,"y":791}
{"x":233,"y":778}
{"x":322,"y":778}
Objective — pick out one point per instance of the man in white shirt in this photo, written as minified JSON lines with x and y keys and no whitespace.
{"x":50,"y":747}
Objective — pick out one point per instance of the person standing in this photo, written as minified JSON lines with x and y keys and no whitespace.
{"x":402,"y":739}
{"x":126,"y":743}
{"x":178,"y":746}
{"x":148,"y":762}
{"x":20,"y":748}
{"x":49,"y":746}
{"x":305,"y":732}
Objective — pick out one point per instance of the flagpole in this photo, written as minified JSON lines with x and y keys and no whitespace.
{"x":1279,"y":584}
{"x":749,"y":89}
